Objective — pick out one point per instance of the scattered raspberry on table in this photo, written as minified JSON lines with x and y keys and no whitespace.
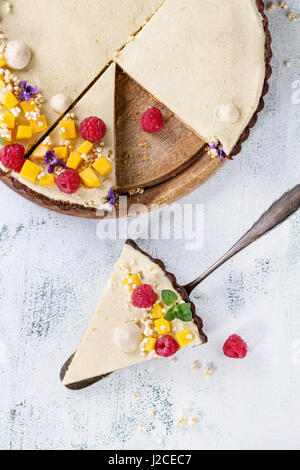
{"x":235,"y":347}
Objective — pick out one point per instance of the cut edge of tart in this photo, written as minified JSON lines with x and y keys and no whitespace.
{"x":134,"y":334}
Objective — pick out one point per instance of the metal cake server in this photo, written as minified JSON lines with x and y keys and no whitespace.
{"x":287,"y":205}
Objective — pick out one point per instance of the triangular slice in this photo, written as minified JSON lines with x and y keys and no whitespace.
{"x":168,"y":153}
{"x":123,"y":331}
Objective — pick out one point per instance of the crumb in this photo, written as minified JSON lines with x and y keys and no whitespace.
{"x":151,"y":413}
{"x":135,"y":397}
{"x":192,"y":421}
{"x":287,"y":63}
{"x":142,"y":428}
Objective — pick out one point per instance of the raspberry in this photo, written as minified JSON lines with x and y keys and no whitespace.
{"x":152,"y":121}
{"x":68,"y":181}
{"x":12,"y":157}
{"x":143,"y":296}
{"x":92,"y":129}
{"x":166,"y":346}
{"x":235,"y":347}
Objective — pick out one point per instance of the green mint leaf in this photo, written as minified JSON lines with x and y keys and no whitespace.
{"x":1,"y":141}
{"x":184,"y":312}
{"x":171,"y":314}
{"x":169,"y":297}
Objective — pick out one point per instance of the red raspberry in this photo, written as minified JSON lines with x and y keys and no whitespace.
{"x":166,"y":346}
{"x":152,"y":121}
{"x":143,"y":296}
{"x":68,"y":181}
{"x":92,"y":129}
{"x":12,"y":157}
{"x":235,"y":347}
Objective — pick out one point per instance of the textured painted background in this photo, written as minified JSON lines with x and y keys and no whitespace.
{"x":52,"y":271}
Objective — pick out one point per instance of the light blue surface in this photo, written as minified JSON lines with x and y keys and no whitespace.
{"x":53,"y":269}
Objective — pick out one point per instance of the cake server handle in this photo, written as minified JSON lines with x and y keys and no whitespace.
{"x":287,"y":205}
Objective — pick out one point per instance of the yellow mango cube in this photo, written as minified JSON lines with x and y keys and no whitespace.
{"x":9,"y":100}
{"x":184,"y":337}
{"x":133,"y":281}
{"x":30,"y":171}
{"x":61,"y":152}
{"x":2,"y":61}
{"x":103,"y":166}
{"x":86,"y":147}
{"x":149,"y":343}
{"x":8,"y":119}
{"x":47,"y":180}
{"x":162,"y":326}
{"x":89,"y":178}
{"x":68,"y":129}
{"x":2,"y":83}
{"x":157,"y":311}
{"x":40,"y":125}
{"x":39,"y":152}
{"x":29,"y":106}
{"x":24,"y":133}
{"x":74,"y":161}
{"x":9,"y":136}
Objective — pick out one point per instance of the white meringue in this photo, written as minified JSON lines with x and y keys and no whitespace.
{"x":228,"y":112}
{"x":60,"y":103}
{"x":127,"y":337}
{"x":17,"y":55}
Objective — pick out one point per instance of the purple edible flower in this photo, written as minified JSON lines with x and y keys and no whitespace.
{"x":212,"y":146}
{"x":221,"y":154}
{"x":28,"y":91}
{"x":52,"y":160}
{"x":112,"y":197}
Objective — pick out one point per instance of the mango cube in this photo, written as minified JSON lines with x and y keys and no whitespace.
{"x":9,"y":100}
{"x":30,"y":171}
{"x":39,"y":152}
{"x":74,"y":161}
{"x":149,"y":343}
{"x":29,"y":106}
{"x":157,"y":311}
{"x":103,"y":166}
{"x":133,"y":281}
{"x":47,"y":180}
{"x":40,"y":125}
{"x":2,"y":83}
{"x":24,"y":133}
{"x":2,"y":61}
{"x":8,"y":138}
{"x":61,"y":152}
{"x":68,"y":129}
{"x":86,"y":147}
{"x":89,"y":178}
{"x":184,"y":337}
{"x":162,"y":326}
{"x":8,"y":119}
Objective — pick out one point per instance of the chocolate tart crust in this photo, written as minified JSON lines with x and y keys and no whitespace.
{"x":78,"y":210}
{"x":181,"y":291}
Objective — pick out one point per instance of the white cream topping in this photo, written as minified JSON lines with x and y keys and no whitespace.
{"x":127,"y":337}
{"x":228,"y":112}
{"x":194,"y":55}
{"x":17,"y":55}
{"x":97,"y":353}
{"x":60,"y":102}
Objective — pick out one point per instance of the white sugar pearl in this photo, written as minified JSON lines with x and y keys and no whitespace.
{"x":60,"y":103}
{"x":17,"y":54}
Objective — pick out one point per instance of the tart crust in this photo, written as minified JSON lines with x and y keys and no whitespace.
{"x":88,"y":212}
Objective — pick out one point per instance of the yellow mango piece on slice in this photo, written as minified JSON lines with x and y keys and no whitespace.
{"x":61,"y":152}
{"x":29,"y":106}
{"x":149,"y":345}
{"x":2,"y":61}
{"x":47,"y":180}
{"x":40,"y":125}
{"x":24,"y":133}
{"x":8,"y":119}
{"x":89,"y":178}
{"x":40,"y":151}
{"x":86,"y":147}
{"x":133,"y":281}
{"x":184,"y":337}
{"x":68,"y":129}
{"x":74,"y":161}
{"x":103,"y":166}
{"x":30,"y":171}
{"x":162,"y":326}
{"x":157,"y":311}
{"x":9,"y":100}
